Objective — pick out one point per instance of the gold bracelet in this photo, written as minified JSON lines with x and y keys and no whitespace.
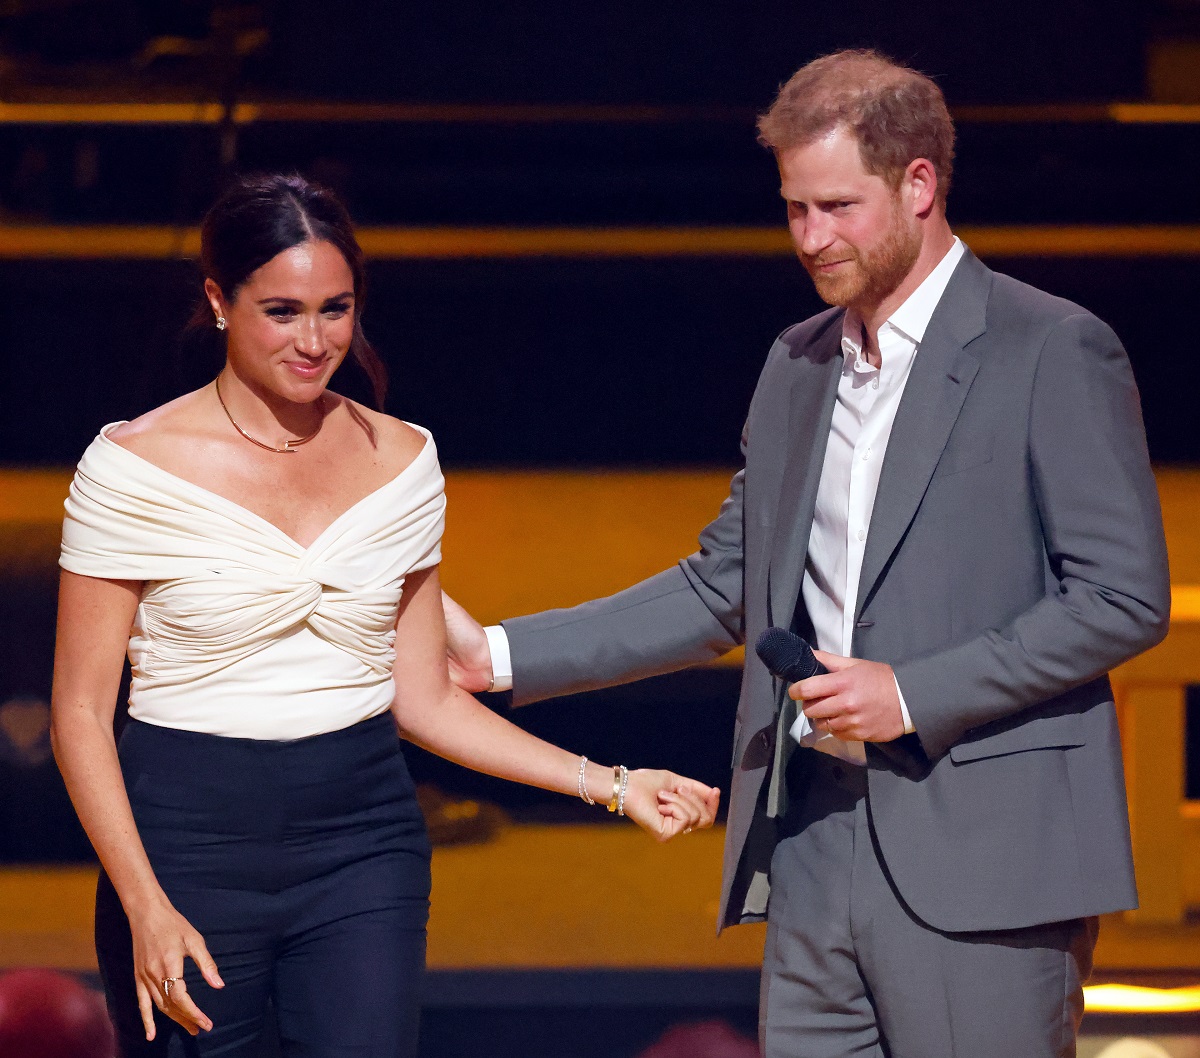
{"x":616,"y":794}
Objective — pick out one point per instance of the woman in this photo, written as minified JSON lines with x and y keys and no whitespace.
{"x":267,"y":552}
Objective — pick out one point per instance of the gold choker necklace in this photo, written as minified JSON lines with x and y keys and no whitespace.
{"x":289,"y":445}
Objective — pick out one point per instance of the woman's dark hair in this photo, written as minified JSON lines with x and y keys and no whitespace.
{"x":255,"y":220}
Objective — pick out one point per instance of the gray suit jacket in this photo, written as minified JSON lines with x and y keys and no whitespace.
{"x":1015,"y":555}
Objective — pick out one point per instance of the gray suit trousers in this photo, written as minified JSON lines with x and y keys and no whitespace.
{"x":848,"y":969}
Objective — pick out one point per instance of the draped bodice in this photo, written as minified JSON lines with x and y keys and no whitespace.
{"x":232,"y":606}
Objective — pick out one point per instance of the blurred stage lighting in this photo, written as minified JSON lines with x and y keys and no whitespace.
{"x":1132,"y":999}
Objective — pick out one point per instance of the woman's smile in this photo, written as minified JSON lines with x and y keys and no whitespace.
{"x":308,"y":368}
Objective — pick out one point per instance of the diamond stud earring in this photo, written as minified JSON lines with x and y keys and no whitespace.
{"x":220,"y":323}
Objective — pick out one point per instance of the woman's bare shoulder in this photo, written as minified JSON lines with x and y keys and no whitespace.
{"x":396,"y":442}
{"x":165,"y":431}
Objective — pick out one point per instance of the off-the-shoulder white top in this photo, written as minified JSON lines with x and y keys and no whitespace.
{"x":240,"y":630}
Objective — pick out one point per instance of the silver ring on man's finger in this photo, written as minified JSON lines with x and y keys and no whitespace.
{"x":167,"y":982}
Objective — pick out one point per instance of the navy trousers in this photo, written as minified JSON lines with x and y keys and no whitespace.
{"x":305,"y":867}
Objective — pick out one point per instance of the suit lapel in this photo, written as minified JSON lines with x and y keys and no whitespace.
{"x":810,"y":412}
{"x":941,"y":377}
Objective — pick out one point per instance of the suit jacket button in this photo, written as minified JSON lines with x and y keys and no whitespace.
{"x":758,"y":749}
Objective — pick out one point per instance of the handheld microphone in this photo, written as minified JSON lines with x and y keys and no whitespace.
{"x":790,"y":658}
{"x":787,"y":656}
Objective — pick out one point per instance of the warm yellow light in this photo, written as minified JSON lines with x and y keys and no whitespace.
{"x":1185,"y":602}
{"x":1132,"y":999}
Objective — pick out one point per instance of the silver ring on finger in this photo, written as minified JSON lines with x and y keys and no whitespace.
{"x":167,"y":982}
{"x":687,"y":830}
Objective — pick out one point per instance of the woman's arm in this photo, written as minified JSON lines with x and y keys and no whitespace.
{"x":94,"y":618}
{"x":440,"y":717}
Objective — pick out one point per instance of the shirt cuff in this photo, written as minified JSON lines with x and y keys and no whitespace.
{"x":502,"y":660}
{"x":909,"y":727}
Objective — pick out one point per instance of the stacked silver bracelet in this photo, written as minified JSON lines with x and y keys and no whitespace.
{"x":581,"y":784}
{"x":624,"y":786}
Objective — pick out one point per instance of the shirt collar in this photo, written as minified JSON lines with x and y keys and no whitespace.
{"x":912,"y":318}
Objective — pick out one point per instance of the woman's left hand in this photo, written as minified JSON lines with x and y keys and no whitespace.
{"x":665,"y":804}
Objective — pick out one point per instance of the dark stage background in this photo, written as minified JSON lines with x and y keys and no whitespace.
{"x":530,"y":362}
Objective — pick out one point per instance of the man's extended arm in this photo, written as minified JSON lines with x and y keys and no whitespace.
{"x":683,"y":616}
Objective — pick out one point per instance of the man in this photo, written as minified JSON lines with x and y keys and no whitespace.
{"x":946,"y":487}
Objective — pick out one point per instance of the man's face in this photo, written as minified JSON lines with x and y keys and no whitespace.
{"x":850,"y":227}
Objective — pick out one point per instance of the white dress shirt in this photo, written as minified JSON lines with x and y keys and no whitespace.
{"x":867,"y":400}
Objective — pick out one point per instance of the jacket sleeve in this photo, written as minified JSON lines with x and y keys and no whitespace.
{"x":688,"y":614}
{"x":1108,"y":594}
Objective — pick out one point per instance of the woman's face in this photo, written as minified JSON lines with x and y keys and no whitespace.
{"x":291,"y":322}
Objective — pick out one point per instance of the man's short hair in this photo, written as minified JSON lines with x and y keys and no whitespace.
{"x":896,"y":114}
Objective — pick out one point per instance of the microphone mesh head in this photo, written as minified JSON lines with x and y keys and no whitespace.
{"x":787,"y":656}
{"x":778,"y":649}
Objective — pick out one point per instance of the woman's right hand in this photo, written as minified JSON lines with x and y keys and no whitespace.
{"x":161,"y":939}
{"x":94,"y":619}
